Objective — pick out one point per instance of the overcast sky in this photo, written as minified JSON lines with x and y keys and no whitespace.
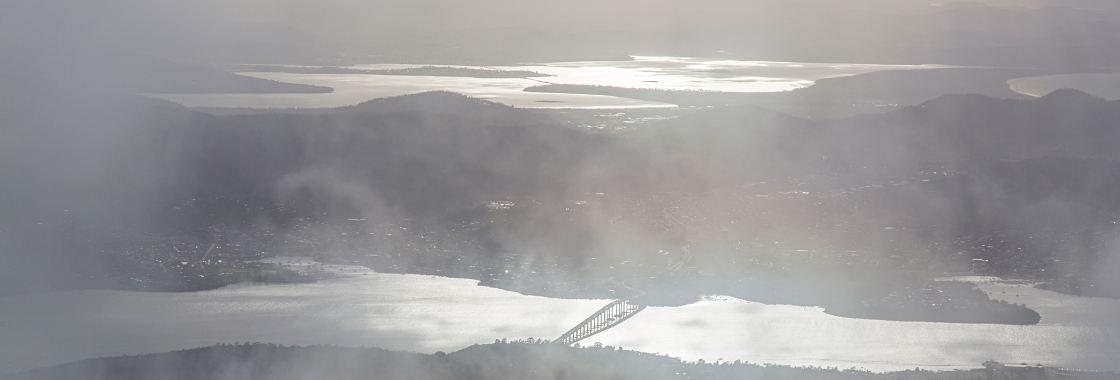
{"x":109,"y":20}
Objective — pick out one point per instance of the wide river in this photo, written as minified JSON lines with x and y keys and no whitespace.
{"x":671,"y":73}
{"x":427,"y":314}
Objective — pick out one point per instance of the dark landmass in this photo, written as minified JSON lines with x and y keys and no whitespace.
{"x":437,"y":71}
{"x":530,"y":359}
{"x":1091,"y":285}
{"x":948,"y":301}
{"x":1078,"y":287}
{"x":1098,"y":286}
{"x":193,"y":277}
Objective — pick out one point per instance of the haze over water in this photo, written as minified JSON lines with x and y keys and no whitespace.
{"x":667,"y":73}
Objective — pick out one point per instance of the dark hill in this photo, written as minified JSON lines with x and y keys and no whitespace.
{"x":434,"y":101}
{"x":496,"y":361}
{"x":421,"y":153}
{"x":735,"y":144}
{"x":442,"y":103}
{"x":952,"y":127}
{"x":1067,"y":96}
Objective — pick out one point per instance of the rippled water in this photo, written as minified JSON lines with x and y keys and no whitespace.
{"x":675,"y":73}
{"x":428,"y":314}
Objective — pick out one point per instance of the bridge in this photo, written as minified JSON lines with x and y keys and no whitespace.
{"x":609,"y":316}
{"x":620,"y":310}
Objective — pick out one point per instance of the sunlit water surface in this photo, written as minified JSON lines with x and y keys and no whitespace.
{"x":1075,"y":332}
{"x":428,"y":314}
{"x":672,"y":73}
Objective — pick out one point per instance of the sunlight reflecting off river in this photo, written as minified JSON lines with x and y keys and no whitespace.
{"x":669,"y":73}
{"x":427,"y":314}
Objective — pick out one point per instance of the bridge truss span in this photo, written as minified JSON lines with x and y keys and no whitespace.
{"x":609,"y":316}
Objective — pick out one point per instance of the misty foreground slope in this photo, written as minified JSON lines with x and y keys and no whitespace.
{"x":515,"y":360}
